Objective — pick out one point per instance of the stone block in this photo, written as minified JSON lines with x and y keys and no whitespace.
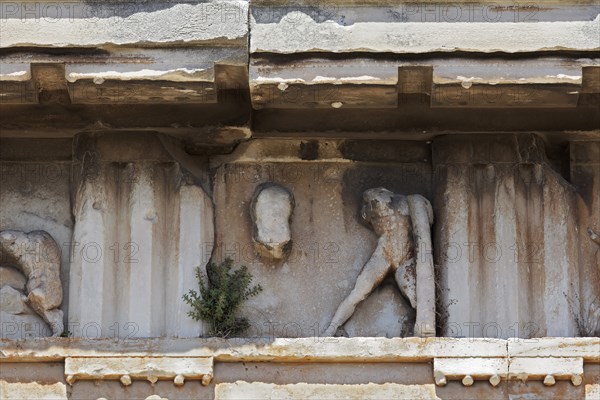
{"x":256,"y":390}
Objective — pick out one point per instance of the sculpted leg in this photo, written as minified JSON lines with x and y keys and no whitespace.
{"x":53,"y":317}
{"x":406,"y":278}
{"x":372,"y":274}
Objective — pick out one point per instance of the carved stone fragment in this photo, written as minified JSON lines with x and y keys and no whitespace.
{"x":13,"y":278}
{"x":403,"y":226}
{"x":594,"y":236}
{"x":13,"y":301}
{"x":271,"y":210}
{"x":37,"y":256}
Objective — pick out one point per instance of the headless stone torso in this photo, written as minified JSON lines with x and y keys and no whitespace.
{"x":392,"y":223}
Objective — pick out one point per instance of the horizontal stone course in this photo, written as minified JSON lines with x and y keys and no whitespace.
{"x":300,"y":349}
{"x":298,"y":32}
{"x":87,"y":24}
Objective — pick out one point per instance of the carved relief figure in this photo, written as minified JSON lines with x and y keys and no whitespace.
{"x":404,"y":247}
{"x":271,"y":210}
{"x":30,"y":276}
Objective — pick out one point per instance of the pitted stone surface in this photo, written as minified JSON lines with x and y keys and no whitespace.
{"x":138,"y":23}
{"x":592,"y":392}
{"x":385,"y":313}
{"x":298,"y":32}
{"x":23,"y":326}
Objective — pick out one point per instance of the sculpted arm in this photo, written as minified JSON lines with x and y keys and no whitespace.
{"x":421,"y":215}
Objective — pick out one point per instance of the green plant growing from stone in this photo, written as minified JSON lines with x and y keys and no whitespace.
{"x":221,"y":297}
{"x":66,"y":334}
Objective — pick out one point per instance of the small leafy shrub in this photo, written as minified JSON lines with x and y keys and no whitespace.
{"x":588,"y":325}
{"x":221,"y":297}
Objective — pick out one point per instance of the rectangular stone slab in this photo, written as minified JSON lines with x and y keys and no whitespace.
{"x":482,"y":368}
{"x":436,"y":10}
{"x":298,"y":32}
{"x":538,"y":368}
{"x":258,"y":390}
{"x":85,"y":24}
{"x":32,"y":390}
{"x":588,"y":348}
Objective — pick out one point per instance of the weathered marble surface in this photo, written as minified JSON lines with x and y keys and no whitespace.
{"x":509,"y":241}
{"x":585,"y":176}
{"x":374,"y":70}
{"x":98,"y":366}
{"x":32,"y":390}
{"x":330,"y":243}
{"x":257,"y":390}
{"x":339,"y":29}
{"x":322,"y":350}
{"x":144,"y":224}
{"x":83,"y":24}
{"x":385,"y":313}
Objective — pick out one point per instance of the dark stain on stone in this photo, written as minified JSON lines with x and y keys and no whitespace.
{"x":309,"y":150}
